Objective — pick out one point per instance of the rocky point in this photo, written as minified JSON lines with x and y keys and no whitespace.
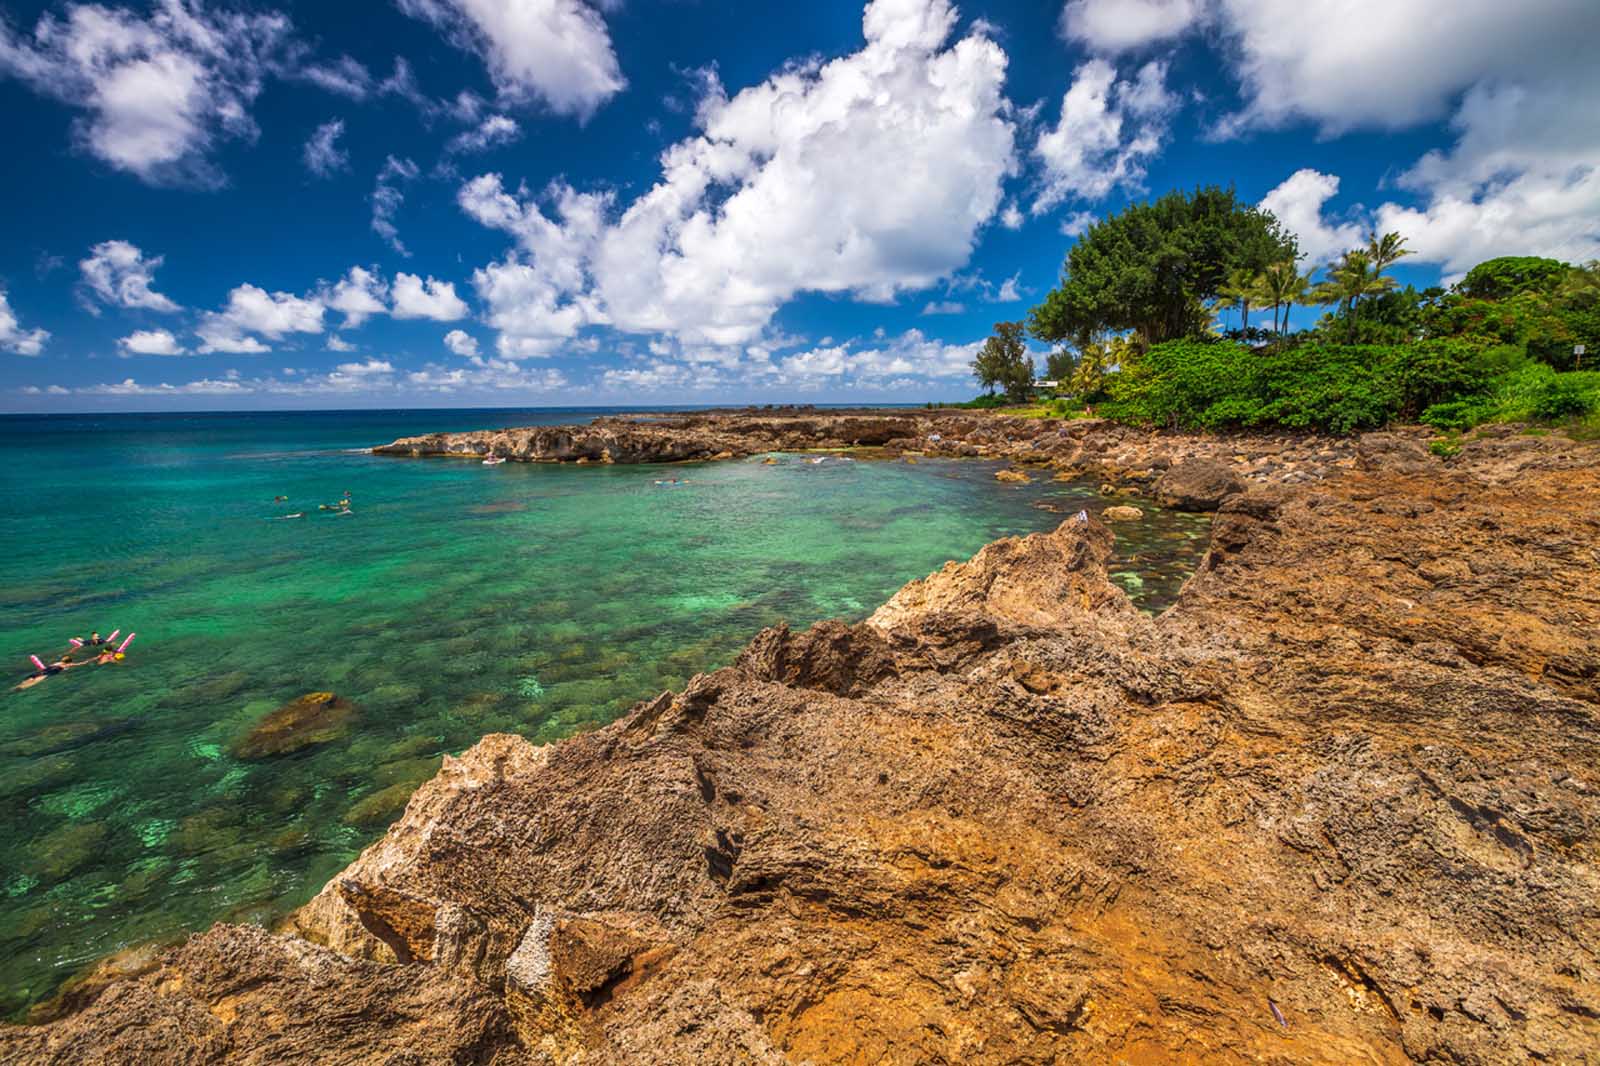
{"x":1338,"y":805}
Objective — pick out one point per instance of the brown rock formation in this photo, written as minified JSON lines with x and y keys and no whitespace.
{"x":1127,"y":459}
{"x":1197,"y":485}
{"x":664,"y":439}
{"x":1339,"y":805}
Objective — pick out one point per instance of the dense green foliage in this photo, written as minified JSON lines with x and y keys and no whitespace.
{"x":1004,"y":361}
{"x":1152,"y":268}
{"x":1496,"y":279}
{"x":1527,"y":391}
{"x":1140,"y":291}
{"x":1217,"y":384}
{"x":1450,"y":382}
{"x":1059,"y":364}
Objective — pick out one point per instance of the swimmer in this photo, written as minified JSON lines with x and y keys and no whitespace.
{"x":280,"y":499}
{"x":60,"y":666}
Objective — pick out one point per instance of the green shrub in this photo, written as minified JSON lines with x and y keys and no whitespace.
{"x":1338,"y":388}
{"x":1567,"y":396}
{"x":1451,"y":383}
{"x":1179,"y":383}
{"x":1458,"y":414}
{"x":1441,"y":370}
{"x":1445,"y":447}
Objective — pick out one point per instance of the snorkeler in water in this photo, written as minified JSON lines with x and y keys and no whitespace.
{"x":60,"y":666}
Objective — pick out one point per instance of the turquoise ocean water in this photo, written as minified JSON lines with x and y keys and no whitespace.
{"x":455,"y":600}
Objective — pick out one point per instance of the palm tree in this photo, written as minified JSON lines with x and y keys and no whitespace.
{"x":1240,"y":287}
{"x":1385,"y":250}
{"x":1348,"y":281}
{"x":1282,"y":285}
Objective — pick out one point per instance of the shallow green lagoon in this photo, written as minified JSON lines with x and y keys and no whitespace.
{"x":456,"y":600}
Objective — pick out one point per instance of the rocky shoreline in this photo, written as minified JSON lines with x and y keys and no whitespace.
{"x":1340,"y":804}
{"x":1127,"y":458}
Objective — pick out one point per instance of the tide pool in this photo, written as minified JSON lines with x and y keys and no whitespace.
{"x":454,"y":600}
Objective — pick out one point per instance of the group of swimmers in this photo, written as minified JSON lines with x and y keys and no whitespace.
{"x":97,"y":651}
{"x":340,"y":508}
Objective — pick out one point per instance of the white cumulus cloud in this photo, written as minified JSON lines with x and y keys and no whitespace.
{"x":253,"y":310}
{"x":151,"y":342}
{"x":118,"y":274}
{"x":1390,"y":64}
{"x":557,"y":52}
{"x":1108,"y":131}
{"x":13,"y":338}
{"x":1120,"y":25}
{"x":768,"y":200}
{"x":1298,"y":203}
{"x":358,"y":296}
{"x":912,"y":354}
{"x":415,"y":297}
{"x":157,"y":91}
{"x":462,"y":343}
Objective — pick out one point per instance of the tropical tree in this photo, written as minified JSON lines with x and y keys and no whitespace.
{"x":1282,"y":285}
{"x":1150,"y":268}
{"x":1508,"y":275}
{"x":986,"y":368}
{"x":1347,"y":282}
{"x":1004,"y":361}
{"x":1096,"y":360}
{"x":1385,"y":250}
{"x":1241,"y":286}
{"x":1059,"y":365}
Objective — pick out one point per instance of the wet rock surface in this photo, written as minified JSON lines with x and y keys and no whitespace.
{"x":1339,"y":804}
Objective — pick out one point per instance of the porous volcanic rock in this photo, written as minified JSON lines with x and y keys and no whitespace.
{"x":1197,"y":485}
{"x":662,"y":439}
{"x":1338,"y":805}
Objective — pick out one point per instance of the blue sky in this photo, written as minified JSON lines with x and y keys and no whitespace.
{"x":524,"y":202}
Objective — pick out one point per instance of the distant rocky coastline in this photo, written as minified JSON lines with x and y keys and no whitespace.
{"x":1340,"y":804}
{"x":1129,"y":458}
